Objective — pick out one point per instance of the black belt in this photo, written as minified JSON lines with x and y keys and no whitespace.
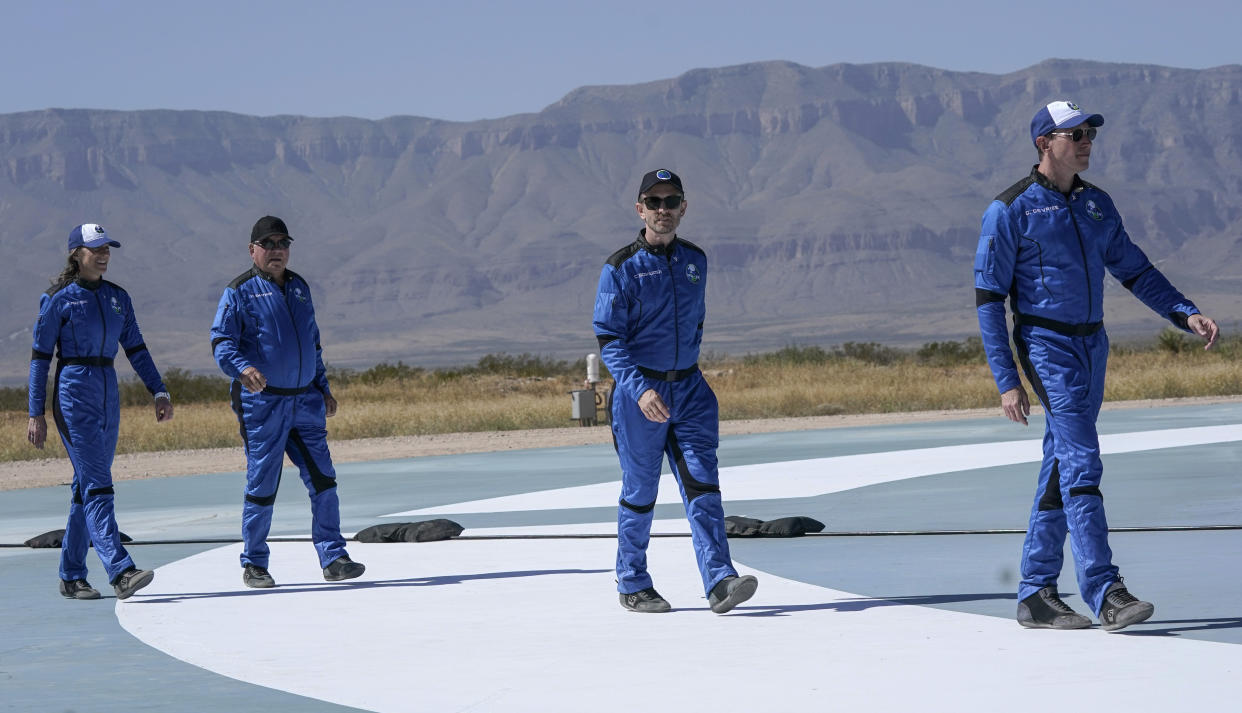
{"x":85,"y":361}
{"x":277,"y":391}
{"x":1069,"y":330}
{"x":675,"y":375}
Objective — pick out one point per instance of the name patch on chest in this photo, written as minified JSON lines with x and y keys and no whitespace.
{"x":1044,"y":209}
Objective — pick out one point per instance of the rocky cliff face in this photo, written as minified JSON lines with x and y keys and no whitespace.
{"x":835,"y":203}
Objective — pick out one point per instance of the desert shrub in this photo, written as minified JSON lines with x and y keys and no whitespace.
{"x":184,"y":387}
{"x":789,"y":355}
{"x":967,"y":351}
{"x":340,"y":375}
{"x":15,"y":398}
{"x":1174,"y":341}
{"x":871,"y":353}
{"x":385,"y":372}
{"x":523,"y":365}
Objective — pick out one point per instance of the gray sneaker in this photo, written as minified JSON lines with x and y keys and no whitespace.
{"x":1121,"y":608}
{"x":257,"y":577}
{"x":731,"y":591}
{"x":78,"y":589}
{"x":645,"y":601}
{"x":343,"y":568}
{"x":130,"y":581}
{"x":1046,"y":610}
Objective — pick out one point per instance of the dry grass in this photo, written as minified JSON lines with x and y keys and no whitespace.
{"x":416,"y":406}
{"x":427,"y":403}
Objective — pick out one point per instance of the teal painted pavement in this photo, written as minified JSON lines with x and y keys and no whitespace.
{"x":51,"y":649}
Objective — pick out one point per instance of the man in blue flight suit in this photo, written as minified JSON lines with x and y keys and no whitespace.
{"x":649,"y":321}
{"x":1045,"y":244}
{"x":265,"y":338}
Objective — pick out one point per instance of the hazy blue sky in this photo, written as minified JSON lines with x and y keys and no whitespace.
{"x":470,"y":59}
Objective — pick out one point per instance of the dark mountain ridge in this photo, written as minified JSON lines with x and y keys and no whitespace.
{"x":835,"y":203}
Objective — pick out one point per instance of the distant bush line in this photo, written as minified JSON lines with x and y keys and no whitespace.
{"x":187,"y":387}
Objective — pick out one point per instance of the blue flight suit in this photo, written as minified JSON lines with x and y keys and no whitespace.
{"x":1047,"y":252}
{"x":82,"y":323}
{"x":272,"y":328}
{"x":648,"y":319}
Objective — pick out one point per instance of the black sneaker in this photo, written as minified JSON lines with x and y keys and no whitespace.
{"x":343,"y":568}
{"x":646,"y":601}
{"x":78,"y":589}
{"x":1121,"y":608}
{"x":731,"y":591}
{"x":257,"y":577}
{"x":130,"y":581}
{"x":1046,"y":610}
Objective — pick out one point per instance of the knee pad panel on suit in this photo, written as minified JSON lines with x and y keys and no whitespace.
{"x":640,"y":509}
{"x":694,"y":488}
{"x":1051,"y":499}
{"x":262,"y":501}
{"x":320,"y":481}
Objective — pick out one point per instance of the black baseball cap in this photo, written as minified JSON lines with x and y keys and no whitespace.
{"x":655,"y":178}
{"x":267,"y":226}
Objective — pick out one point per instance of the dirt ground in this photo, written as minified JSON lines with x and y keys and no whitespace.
{"x":162,"y":464}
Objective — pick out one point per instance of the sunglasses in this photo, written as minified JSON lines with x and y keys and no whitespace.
{"x":269,"y":244}
{"x":668,"y":202}
{"x":1077,"y":134}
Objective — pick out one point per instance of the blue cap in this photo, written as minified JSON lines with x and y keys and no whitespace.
{"x":91,"y":235}
{"x":1061,"y":115}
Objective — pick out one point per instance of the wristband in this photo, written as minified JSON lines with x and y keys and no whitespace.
{"x":163,"y":395}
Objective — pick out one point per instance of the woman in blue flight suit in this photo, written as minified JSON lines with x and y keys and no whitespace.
{"x":81,"y":320}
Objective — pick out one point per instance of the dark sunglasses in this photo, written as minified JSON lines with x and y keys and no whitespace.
{"x":269,"y":244}
{"x":668,"y":202}
{"x":1077,"y":134}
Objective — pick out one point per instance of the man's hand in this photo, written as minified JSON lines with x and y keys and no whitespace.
{"x":1204,"y":327}
{"x":163,"y":410}
{"x":329,"y":405}
{"x":36,"y":431}
{"x":1015,"y":405}
{"x":253,"y":380}
{"x":653,"y":406}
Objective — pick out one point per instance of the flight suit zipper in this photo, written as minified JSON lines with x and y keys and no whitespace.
{"x":668,"y":259}
{"x":1082,"y":248}
{"x":103,"y":340}
{"x":293,"y":323}
{"x":1086,"y":267}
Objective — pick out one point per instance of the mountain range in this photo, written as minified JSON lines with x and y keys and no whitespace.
{"x":838,"y":203}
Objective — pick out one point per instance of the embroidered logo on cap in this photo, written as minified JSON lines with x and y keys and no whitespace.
{"x":99,"y":229}
{"x":663,"y":175}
